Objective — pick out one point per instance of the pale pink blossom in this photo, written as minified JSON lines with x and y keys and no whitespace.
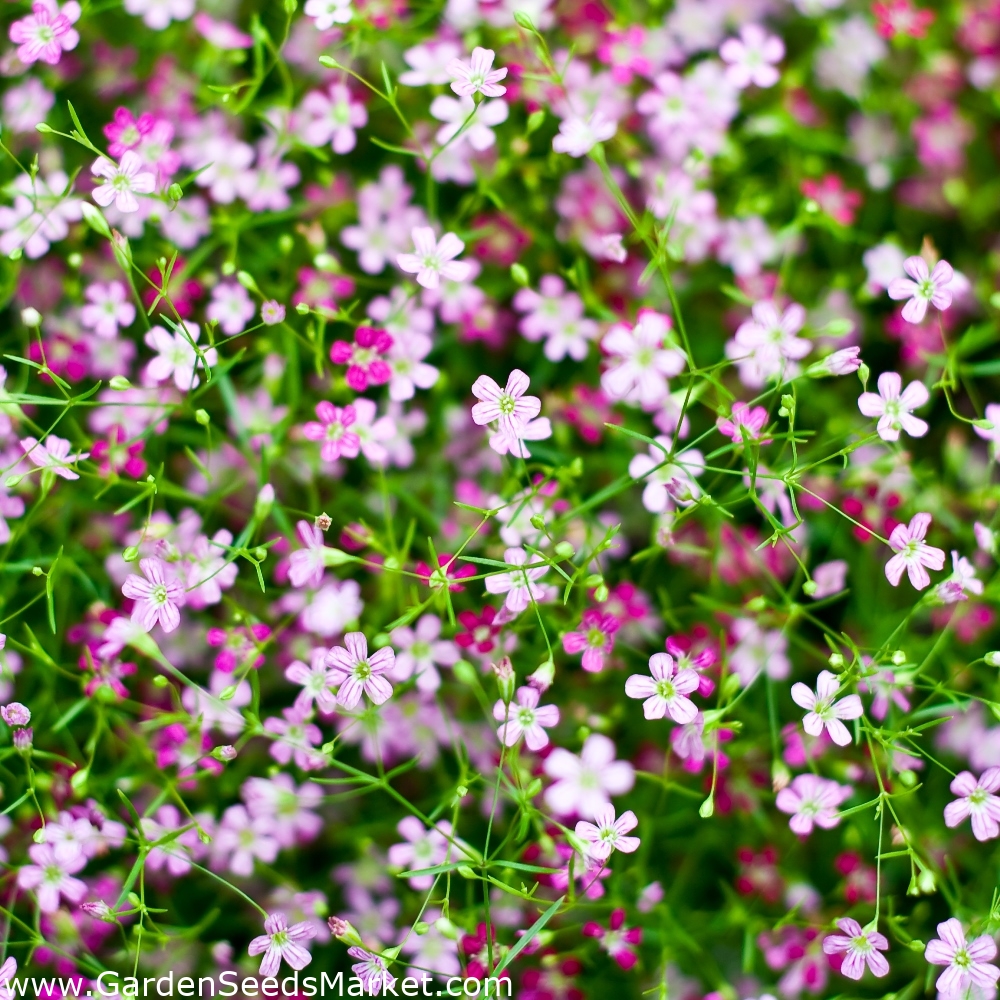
{"x":812,"y":800}
{"x":511,"y":411}
{"x":178,"y":356}
{"x":240,"y":838}
{"x":859,"y":947}
{"x":421,"y":848}
{"x":766,"y":346}
{"x":607,"y":834}
{"x":306,"y":564}
{"x":158,"y":597}
{"x":893,"y":405}
{"x":53,"y":455}
{"x":976,"y":798}
{"x":968,"y":961}
{"x":525,"y":717}
{"x":108,"y":308}
{"x":642,"y":358}
{"x":47,"y":32}
{"x":477,"y":76}
{"x":519,"y":584}
{"x":122,"y":181}
{"x":927,"y":287}
{"x":824,"y":711}
{"x":584,"y":785}
{"x":666,"y":690}
{"x":913,"y":554}
{"x":752,"y":56}
{"x":356,"y":672}
{"x":279,"y":941}
{"x":434,"y":259}
{"x":51,"y":876}
{"x":578,"y":136}
{"x":327,"y":13}
{"x":595,"y":639}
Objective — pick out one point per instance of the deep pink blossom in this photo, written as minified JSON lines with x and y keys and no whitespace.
{"x":595,"y":639}
{"x":365,"y":366}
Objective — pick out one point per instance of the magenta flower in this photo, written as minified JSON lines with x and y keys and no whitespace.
{"x":968,"y":962}
{"x":893,"y":406}
{"x":157,"y":597}
{"x":365,"y":366}
{"x":618,"y":940}
{"x":976,"y":799}
{"x":51,"y":876}
{"x":46,"y":33}
{"x":913,"y":554}
{"x":861,"y":947}
{"x":745,"y":422}
{"x":477,"y":76}
{"x":812,"y":800}
{"x":823,"y":711}
{"x":752,"y":56}
{"x":607,"y":834}
{"x":332,"y":430}
{"x":666,"y":690}
{"x":279,"y":941}
{"x":122,"y":181}
{"x":525,"y":718}
{"x":595,"y":639}
{"x":927,"y":287}
{"x":434,"y":259}
{"x":356,"y":672}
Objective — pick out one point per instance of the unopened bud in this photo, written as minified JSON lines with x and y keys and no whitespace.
{"x":836,"y":660}
{"x":543,"y":677}
{"x":898,"y":658}
{"x":506,"y":680}
{"x":565,"y":550}
{"x":31,"y":316}
{"x":302,"y":309}
{"x":120,"y":383}
{"x":131,"y":554}
{"x":264,"y":502}
{"x":202,"y":417}
{"x":601,"y":593}
{"x":224,"y":753}
{"x":810,"y":587}
{"x":22,"y":739}
{"x":993,"y":658}
{"x":520,"y":275}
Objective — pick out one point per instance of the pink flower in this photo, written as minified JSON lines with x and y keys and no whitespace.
{"x":7,"y":972}
{"x":332,"y":430}
{"x":356,"y":672}
{"x":595,"y":639}
{"x":744,"y":422}
{"x":157,"y":598}
{"x":913,"y":554}
{"x":509,"y":408}
{"x":108,"y":308}
{"x":371,"y":971}
{"x":823,"y":711}
{"x":279,"y":941}
{"x":525,"y":718}
{"x":607,"y":834}
{"x":122,"y":182}
{"x":365,"y":367}
{"x":435,"y":259}
{"x":900,"y":17}
{"x":178,"y":356}
{"x":316,"y":680}
{"x":892,"y":406}
{"x":666,"y":690}
{"x":46,"y":33}
{"x":519,"y":584}
{"x":812,"y":800}
{"x":829,"y":578}
{"x":421,"y":848}
{"x":618,"y":940}
{"x":51,"y":876}
{"x":578,"y":136}
{"x":976,"y":799}
{"x":840,"y":203}
{"x":642,"y":359}
{"x":306,"y":564}
{"x":332,"y":119}
{"x":968,"y":962}
{"x":861,"y":947}
{"x":842,"y":362}
{"x":584,"y":785}
{"x":751,"y":57}
{"x":15,"y":714}
{"x":53,"y":455}
{"x":477,"y":76}
{"x":926,"y":287}
{"x":241,"y":837}
{"x":766,"y":345}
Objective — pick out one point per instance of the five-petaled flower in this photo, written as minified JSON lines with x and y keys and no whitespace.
{"x":968,"y":961}
{"x":122,"y":181}
{"x":913,"y":554}
{"x":927,"y":287}
{"x":434,"y":259}
{"x":511,"y":411}
{"x":365,"y":366}
{"x":158,"y":596}
{"x":893,"y":405}
{"x":976,"y":798}
{"x":53,"y":455}
{"x":859,"y":947}
{"x":279,"y":941}
{"x":356,"y":672}
{"x":812,"y":800}
{"x":666,"y":690}
{"x":332,"y":430}
{"x":824,"y":711}
{"x":520,"y":583}
{"x":477,"y":76}
{"x":46,"y":33}
{"x":525,"y":717}
{"x":607,"y":834}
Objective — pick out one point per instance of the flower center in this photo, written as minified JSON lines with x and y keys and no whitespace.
{"x":362,"y":670}
{"x":595,"y":638}
{"x":507,"y":404}
{"x":159,"y":594}
{"x":666,"y":690}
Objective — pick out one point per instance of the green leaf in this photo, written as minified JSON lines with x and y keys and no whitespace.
{"x":533,"y":931}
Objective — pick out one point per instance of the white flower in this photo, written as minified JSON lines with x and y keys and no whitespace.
{"x":327,"y":13}
{"x":434,"y":259}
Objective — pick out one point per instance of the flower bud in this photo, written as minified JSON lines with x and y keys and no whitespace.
{"x":565,"y":550}
{"x":203,"y":418}
{"x":841,"y":362}
{"x":898,"y":658}
{"x":506,"y":680}
{"x":99,"y":910}
{"x":264,"y":502}
{"x":780,"y":776}
{"x":131,"y":554}
{"x":22,"y":739}
{"x":993,"y":658}
{"x":543,"y":677}
{"x":520,"y":275}
{"x":31,"y":316}
{"x":120,"y":383}
{"x":224,"y":753}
